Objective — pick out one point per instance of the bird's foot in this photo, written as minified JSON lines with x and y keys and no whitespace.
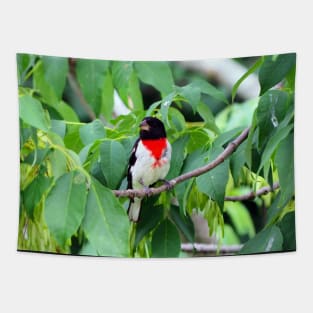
{"x":147,"y":190}
{"x":168,"y":183}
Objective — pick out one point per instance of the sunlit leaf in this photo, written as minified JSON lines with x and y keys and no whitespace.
{"x":106,"y":224}
{"x":32,"y":113}
{"x":65,"y":206}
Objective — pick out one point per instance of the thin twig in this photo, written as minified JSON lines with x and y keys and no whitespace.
{"x":210,"y":248}
{"x":140,"y":193}
{"x":251,"y":195}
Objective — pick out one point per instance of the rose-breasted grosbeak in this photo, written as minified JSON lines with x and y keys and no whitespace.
{"x":149,"y":161}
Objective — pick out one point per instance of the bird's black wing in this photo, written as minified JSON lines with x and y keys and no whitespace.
{"x":131,"y":162}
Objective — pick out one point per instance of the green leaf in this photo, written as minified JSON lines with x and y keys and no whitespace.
{"x":184,"y":223}
{"x":106,"y":224}
{"x":177,"y":120}
{"x":72,"y":138}
{"x":274,"y":69}
{"x":253,"y":134}
{"x":206,"y":114}
{"x":198,"y":138}
{"x":134,"y":93}
{"x":288,"y":229}
{"x":121,"y":73}
{"x":251,"y":70}
{"x":34,"y":192}
{"x":58,"y":163}
{"x":165,"y":241}
{"x":178,"y":155}
{"x":65,"y":206}
{"x":182,"y":190}
{"x":272,"y":144}
{"x":227,"y":136}
{"x":165,"y":105}
{"x":126,"y":82}
{"x":284,"y":161}
{"x":269,"y":239}
{"x":40,"y":84}
{"x":274,"y":210}
{"x":270,"y":112}
{"x":92,"y":131}
{"x":237,"y":161}
{"x":241,"y":218}
{"x":157,"y":74}
{"x":113,"y":162}
{"x":91,"y":77}
{"x":66,"y":111}
{"x":230,"y":237}
{"x":150,"y":216}
{"x":24,"y":63}
{"x":58,"y":127}
{"x":209,"y":89}
{"x":192,"y":94}
{"x":55,"y":72}
{"x":32,"y":113}
{"x":213,"y":183}
{"x":107,"y":97}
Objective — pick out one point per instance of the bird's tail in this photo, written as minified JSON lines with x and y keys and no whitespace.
{"x":134,"y":209}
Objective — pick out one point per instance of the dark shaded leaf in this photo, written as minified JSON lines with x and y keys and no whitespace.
{"x":150,"y":216}
{"x":34,"y":192}
{"x":284,"y":161}
{"x":271,"y":111}
{"x":288,"y":229}
{"x":269,"y":239}
{"x":165,"y":241}
{"x":274,"y":69}
{"x":184,"y":223}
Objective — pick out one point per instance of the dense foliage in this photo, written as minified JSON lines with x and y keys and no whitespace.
{"x":74,"y":151}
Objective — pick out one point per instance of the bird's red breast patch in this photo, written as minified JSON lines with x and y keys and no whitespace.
{"x":155,"y":146}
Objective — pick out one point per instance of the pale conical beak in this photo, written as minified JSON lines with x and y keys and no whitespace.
{"x":144,"y":126}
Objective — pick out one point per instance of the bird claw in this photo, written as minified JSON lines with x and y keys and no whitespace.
{"x":148,"y":191}
{"x":169,"y":184}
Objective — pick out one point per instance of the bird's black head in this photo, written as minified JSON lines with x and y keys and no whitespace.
{"x":152,"y":128}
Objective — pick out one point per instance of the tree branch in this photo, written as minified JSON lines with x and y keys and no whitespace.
{"x":210,"y":248}
{"x":231,"y":147}
{"x":251,"y":195}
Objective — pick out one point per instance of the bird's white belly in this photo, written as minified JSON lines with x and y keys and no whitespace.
{"x":147,"y":170}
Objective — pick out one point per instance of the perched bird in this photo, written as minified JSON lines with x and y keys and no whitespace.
{"x":149,"y":161}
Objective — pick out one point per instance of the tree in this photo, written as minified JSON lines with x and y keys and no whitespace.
{"x":74,"y":148}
